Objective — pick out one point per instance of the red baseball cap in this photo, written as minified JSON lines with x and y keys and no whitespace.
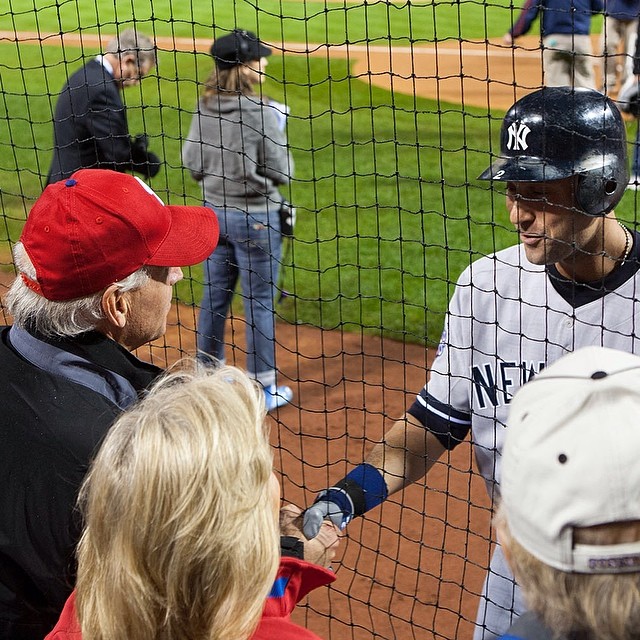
{"x":99,"y":226}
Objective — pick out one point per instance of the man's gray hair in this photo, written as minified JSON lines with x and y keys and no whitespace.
{"x":132,"y":41}
{"x":58,"y":319}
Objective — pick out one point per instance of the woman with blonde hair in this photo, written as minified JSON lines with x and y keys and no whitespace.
{"x":181,"y":514}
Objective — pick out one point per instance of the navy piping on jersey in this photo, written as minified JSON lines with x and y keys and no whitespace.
{"x":447,"y":424}
{"x":578,"y":294}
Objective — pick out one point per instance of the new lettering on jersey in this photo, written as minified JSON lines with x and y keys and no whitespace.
{"x":497,"y":384}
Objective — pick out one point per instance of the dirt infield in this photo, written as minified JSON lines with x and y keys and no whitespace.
{"x":483,"y":74}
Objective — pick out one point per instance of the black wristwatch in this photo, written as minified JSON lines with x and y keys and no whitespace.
{"x":291,"y":547}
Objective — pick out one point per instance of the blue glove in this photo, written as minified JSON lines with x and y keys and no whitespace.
{"x":363,"y":489}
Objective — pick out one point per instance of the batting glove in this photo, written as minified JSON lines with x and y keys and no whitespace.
{"x":334,"y":504}
{"x":363,"y":489}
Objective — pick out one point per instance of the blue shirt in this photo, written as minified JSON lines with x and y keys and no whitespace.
{"x":557,"y":16}
{"x":622,"y":9}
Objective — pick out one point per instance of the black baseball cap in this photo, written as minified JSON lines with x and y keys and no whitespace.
{"x":237,"y":47}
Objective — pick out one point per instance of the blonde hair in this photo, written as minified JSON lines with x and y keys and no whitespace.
{"x":603,"y":606}
{"x":181,"y":538}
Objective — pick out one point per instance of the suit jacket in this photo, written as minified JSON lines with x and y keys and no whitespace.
{"x":90,"y":128}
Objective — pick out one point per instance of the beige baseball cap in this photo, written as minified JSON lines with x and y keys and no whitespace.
{"x":572,"y":459}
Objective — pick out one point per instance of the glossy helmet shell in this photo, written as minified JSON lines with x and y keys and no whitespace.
{"x":559,"y":132}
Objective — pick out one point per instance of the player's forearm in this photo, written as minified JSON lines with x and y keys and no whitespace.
{"x":406,"y":454}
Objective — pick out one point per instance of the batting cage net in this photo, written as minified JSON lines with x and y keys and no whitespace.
{"x":387,"y":112}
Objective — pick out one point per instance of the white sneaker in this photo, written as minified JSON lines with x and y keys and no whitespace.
{"x":277,"y":396}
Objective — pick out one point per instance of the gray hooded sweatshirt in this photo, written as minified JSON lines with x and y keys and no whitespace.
{"x":237,"y":147}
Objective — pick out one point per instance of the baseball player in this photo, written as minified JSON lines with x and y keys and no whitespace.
{"x":570,"y":282}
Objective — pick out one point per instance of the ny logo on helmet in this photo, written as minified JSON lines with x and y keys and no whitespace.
{"x":518,"y":133}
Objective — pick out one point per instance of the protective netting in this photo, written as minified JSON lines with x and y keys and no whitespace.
{"x":394,"y":110}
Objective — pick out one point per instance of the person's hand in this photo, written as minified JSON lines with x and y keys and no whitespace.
{"x":153,"y":164}
{"x":145,"y":161}
{"x":139,"y":146}
{"x":507,"y":38}
{"x":322,"y":549}
{"x":141,"y":140}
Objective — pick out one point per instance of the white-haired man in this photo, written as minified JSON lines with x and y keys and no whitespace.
{"x":97,"y":261}
{"x":90,"y":128}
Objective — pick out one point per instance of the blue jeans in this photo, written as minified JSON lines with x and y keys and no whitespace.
{"x":250,"y":249}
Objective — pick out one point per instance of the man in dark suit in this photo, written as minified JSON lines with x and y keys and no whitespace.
{"x":90,"y":121}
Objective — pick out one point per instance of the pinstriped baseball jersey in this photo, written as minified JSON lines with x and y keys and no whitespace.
{"x":507,"y":319}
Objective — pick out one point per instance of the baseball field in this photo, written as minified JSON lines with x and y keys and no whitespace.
{"x":395,"y":110}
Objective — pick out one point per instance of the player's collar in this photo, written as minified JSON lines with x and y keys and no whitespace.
{"x":577,"y":294}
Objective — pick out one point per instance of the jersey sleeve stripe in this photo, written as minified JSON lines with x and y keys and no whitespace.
{"x":443,"y":411}
{"x":447,"y":424}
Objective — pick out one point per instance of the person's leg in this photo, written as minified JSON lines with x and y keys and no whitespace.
{"x":611,"y":33}
{"x":555,"y":62}
{"x":259,"y":255}
{"x":629,"y":36}
{"x":582,"y":61}
{"x":258,"y":258}
{"x":220,"y":277}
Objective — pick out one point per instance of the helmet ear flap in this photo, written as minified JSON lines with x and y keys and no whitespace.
{"x":598,"y":192}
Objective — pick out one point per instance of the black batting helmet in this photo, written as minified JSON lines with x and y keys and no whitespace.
{"x":558,"y":132}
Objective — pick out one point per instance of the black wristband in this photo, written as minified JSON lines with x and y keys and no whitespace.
{"x":355,"y":492}
{"x":291,"y":547}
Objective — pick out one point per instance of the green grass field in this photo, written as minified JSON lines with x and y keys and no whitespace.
{"x":389,"y":210}
{"x":332,"y":22}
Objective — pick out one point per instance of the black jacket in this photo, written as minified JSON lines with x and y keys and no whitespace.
{"x":50,"y":428}
{"x":90,"y":128}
